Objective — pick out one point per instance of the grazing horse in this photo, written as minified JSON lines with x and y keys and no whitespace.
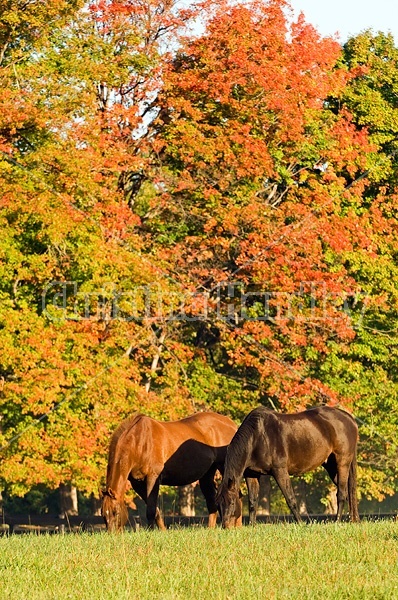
{"x":149,"y":453}
{"x":290,"y":444}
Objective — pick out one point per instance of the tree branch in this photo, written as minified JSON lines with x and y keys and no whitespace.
{"x":156,"y":358}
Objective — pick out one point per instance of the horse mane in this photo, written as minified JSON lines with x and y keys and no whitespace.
{"x":124,"y":426}
{"x":237,"y":450}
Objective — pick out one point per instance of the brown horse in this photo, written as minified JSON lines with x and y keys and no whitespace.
{"x":149,"y":453}
{"x":290,"y":444}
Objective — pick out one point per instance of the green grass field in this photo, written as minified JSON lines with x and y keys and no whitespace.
{"x":319,"y":561}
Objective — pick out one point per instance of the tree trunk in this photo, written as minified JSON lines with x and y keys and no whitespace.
{"x":95,"y":505}
{"x":264,"y":498}
{"x":301,"y":497}
{"x":67,"y":500}
{"x":156,"y":358}
{"x":186,"y":500}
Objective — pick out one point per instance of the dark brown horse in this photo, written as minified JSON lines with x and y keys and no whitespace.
{"x":290,"y":444}
{"x":149,"y":453}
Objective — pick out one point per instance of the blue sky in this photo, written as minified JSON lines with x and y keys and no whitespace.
{"x":350,"y":17}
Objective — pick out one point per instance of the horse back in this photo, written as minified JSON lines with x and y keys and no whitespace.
{"x":208,"y":427}
{"x":300,"y":441}
{"x":340,"y":423}
{"x":150,"y":446}
{"x":210,"y":432}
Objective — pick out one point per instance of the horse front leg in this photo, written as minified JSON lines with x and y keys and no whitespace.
{"x":153,"y":514}
{"x":148,"y":490}
{"x":282,"y":478}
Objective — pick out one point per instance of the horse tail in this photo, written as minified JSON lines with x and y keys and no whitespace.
{"x":352,"y":491}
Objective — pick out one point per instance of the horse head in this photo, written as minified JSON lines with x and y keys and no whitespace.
{"x":113,"y":511}
{"x":229,"y":503}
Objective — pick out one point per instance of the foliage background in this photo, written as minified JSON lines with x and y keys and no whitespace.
{"x":192,"y":218}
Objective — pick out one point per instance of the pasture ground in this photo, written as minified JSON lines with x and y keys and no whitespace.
{"x":282,"y":561}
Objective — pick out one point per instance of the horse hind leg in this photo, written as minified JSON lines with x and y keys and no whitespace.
{"x":208,"y":488}
{"x":343,"y":470}
{"x":344,"y":477}
{"x":352,"y":491}
{"x":338,"y":473}
{"x":331,"y":467}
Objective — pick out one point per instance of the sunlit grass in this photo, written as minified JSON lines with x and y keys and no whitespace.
{"x":269,"y":561}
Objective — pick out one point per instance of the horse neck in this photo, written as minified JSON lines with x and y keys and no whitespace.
{"x":237,"y":456}
{"x":117,"y":475}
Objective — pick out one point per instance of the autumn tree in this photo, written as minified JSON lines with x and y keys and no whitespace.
{"x":267,"y":215}
{"x":259,"y":177}
{"x":188,"y":223}
{"x":366,"y":369}
{"x":76,"y":342}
